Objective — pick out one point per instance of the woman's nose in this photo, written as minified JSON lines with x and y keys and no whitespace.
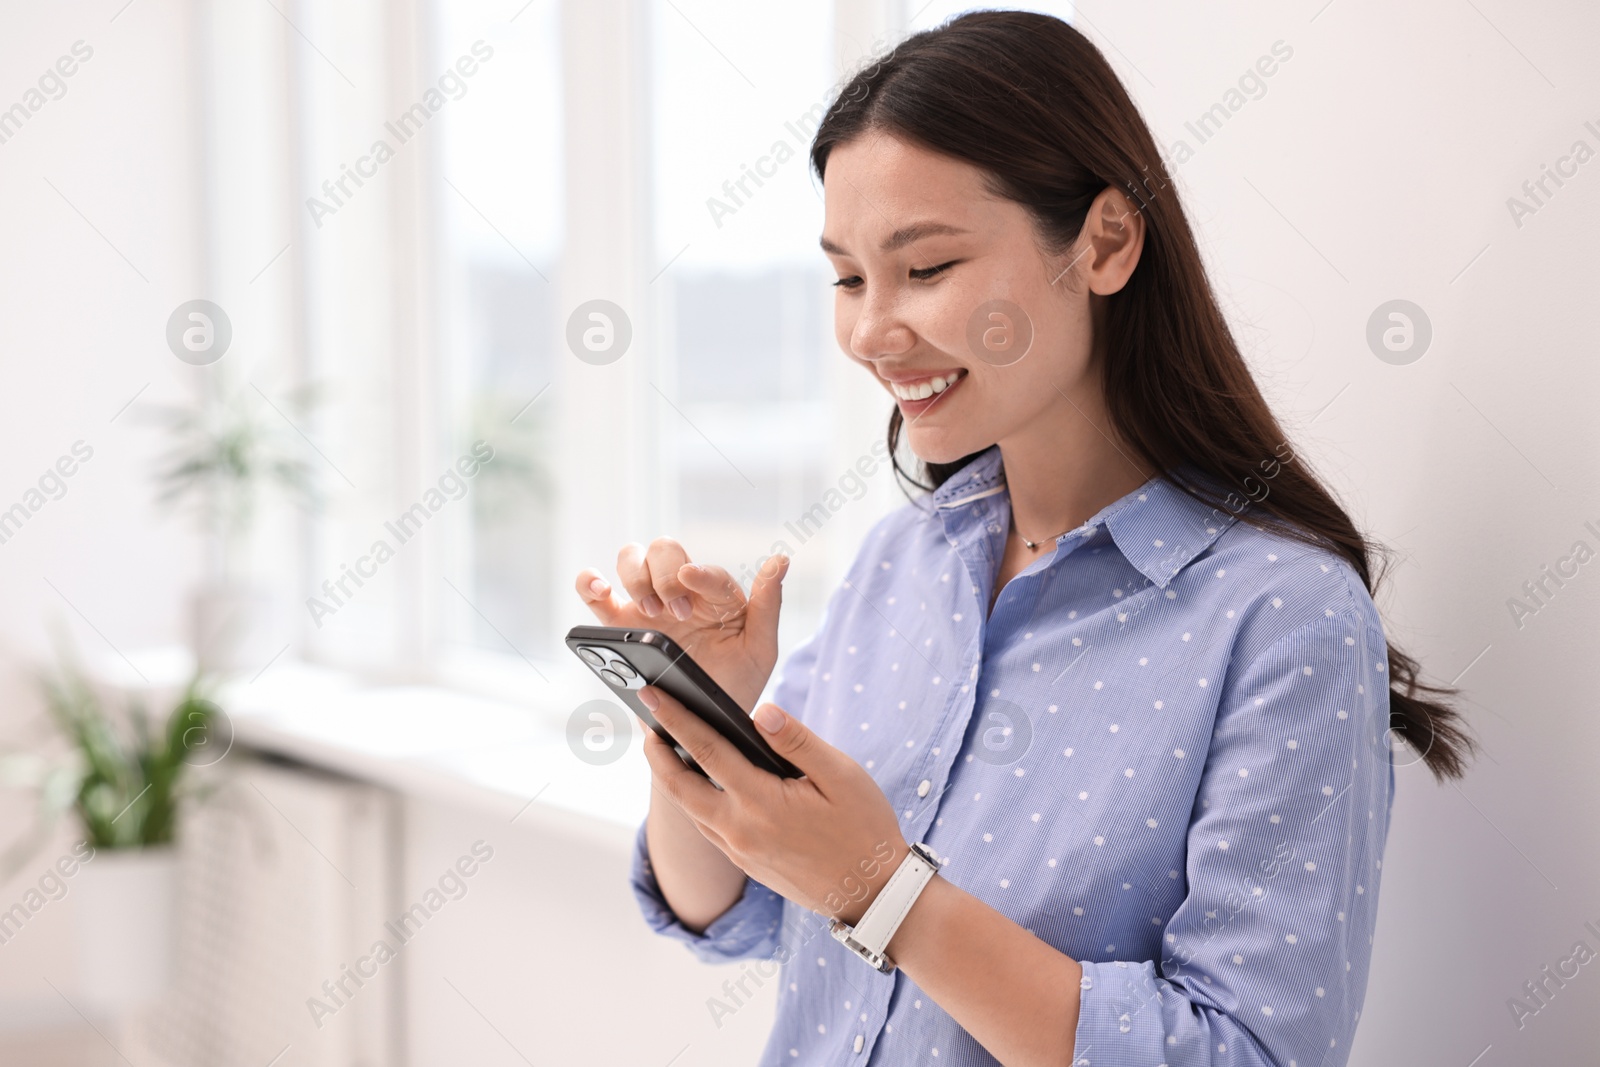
{"x":879,"y":331}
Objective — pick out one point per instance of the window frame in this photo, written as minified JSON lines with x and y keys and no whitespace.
{"x":607,"y":251}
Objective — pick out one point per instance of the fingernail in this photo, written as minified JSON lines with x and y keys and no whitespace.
{"x":648,"y":698}
{"x":599,"y":587}
{"x":769,"y":718}
{"x":692,"y":568}
{"x":651,"y":605}
{"x":680,"y":607}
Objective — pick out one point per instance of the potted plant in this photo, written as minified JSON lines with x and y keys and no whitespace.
{"x":225,"y":453}
{"x":126,"y":781}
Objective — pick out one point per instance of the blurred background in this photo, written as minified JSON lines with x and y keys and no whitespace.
{"x":338,"y":337}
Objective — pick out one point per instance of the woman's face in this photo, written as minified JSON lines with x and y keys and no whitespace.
{"x":946,"y":297}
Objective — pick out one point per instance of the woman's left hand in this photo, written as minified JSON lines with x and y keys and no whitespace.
{"x":827,"y":841}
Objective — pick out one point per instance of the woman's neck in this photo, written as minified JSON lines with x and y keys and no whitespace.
{"x":1061,"y":474}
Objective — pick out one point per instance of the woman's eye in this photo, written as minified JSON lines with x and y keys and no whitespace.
{"x":921,"y":274}
{"x":925,"y":273}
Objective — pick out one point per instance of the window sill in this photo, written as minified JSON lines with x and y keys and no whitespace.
{"x":433,"y":743}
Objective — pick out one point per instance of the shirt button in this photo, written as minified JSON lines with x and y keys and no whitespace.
{"x":923,"y":787}
{"x":859,"y":1042}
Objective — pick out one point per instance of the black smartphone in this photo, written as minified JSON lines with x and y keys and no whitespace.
{"x":628,"y":660}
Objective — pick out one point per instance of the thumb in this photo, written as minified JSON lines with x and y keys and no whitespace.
{"x":791,"y":739}
{"x":766,"y":599}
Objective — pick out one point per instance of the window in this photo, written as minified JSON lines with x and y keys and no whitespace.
{"x":745,"y":329}
{"x":542,"y":157}
{"x":497,"y":194}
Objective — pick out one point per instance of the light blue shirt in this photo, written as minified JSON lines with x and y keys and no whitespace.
{"x":1164,"y":754}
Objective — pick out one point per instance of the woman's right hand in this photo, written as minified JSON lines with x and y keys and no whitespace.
{"x":701,"y":607}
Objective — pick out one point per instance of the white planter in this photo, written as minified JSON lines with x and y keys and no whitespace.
{"x":127,"y":931}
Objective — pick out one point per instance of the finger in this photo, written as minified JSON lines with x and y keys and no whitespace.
{"x":689,"y":792}
{"x":766,"y":598}
{"x":652,"y":737}
{"x":792,"y":740}
{"x":595,"y":591}
{"x":663,"y":559}
{"x":713,"y":752}
{"x":715,"y":588}
{"x":669,"y":794}
{"x":663,"y":798}
{"x":635,"y":578}
{"x":704,"y":828}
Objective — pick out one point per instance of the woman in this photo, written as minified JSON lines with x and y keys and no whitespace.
{"x":1122,"y":673}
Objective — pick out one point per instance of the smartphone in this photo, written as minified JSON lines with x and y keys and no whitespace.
{"x":628,"y":660}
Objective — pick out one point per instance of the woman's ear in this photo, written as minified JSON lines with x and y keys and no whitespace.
{"x":1113,"y":231}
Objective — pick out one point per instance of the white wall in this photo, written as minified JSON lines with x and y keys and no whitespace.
{"x":1384,"y":151}
{"x":548,"y":946}
{"x":81,"y":333}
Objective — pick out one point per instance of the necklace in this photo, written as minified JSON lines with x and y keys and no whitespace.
{"x":1034,"y":545}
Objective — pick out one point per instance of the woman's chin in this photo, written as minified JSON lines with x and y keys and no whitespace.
{"x":941,"y":447}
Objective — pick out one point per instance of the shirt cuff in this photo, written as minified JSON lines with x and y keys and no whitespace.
{"x":746,"y":930}
{"x":1119,"y":1016}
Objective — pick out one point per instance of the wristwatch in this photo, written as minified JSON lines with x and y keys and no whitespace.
{"x":870,"y":937}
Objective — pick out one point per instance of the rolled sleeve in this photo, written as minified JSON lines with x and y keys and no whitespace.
{"x":1265,"y":961}
{"x":748,"y":929}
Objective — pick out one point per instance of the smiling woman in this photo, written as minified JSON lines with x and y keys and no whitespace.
{"x":1123,"y":735}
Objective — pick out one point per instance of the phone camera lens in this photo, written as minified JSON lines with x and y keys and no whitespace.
{"x":614,"y":679}
{"x":624,"y":670}
{"x":591,"y":657}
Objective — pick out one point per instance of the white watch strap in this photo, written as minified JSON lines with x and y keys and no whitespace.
{"x":883,"y":917}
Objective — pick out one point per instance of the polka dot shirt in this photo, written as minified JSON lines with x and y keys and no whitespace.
{"x":1164,"y":753}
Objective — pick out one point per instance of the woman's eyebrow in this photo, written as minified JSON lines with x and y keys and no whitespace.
{"x":903,"y":236}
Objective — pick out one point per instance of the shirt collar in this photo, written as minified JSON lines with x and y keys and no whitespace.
{"x":1158,"y":528}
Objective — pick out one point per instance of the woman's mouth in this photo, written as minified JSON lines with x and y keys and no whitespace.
{"x":920,"y":394}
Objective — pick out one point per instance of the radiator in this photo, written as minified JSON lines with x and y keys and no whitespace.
{"x":287,"y":877}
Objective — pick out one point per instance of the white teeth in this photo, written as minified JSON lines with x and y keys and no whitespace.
{"x":924,"y":389}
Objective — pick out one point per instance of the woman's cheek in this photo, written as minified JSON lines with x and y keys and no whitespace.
{"x":947,"y":327}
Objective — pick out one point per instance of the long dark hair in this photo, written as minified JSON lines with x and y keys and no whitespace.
{"x":1031,"y":102}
